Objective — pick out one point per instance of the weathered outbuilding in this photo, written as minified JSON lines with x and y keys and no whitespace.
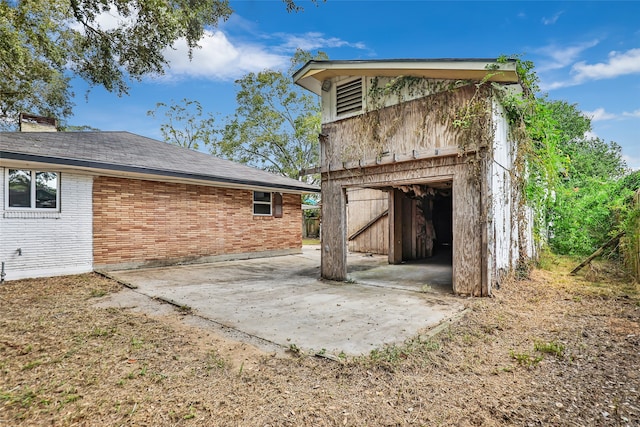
{"x":416,"y":158}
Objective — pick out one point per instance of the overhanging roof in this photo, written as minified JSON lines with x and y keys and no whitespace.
{"x":313,"y":73}
{"x":123,"y":154}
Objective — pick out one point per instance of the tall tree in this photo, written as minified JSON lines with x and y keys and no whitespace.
{"x":42,"y":43}
{"x":187,"y":124}
{"x":276,"y":125}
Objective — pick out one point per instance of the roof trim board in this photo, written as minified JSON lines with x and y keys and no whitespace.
{"x":313,"y":73}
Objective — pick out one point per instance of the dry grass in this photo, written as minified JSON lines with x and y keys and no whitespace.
{"x":550,"y":350}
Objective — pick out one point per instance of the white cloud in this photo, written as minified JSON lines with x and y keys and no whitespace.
{"x":108,"y":20}
{"x":560,"y":57}
{"x":219,"y":59}
{"x":618,"y":64}
{"x":590,"y":135}
{"x":313,"y":41}
{"x":632,"y":114}
{"x":632,"y":162}
{"x":599,"y":114}
{"x":552,"y":20}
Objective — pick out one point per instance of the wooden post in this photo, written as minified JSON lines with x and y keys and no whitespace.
{"x":395,"y":226}
{"x":333,"y":261}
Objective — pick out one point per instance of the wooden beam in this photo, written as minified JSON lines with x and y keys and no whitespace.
{"x":598,"y":252}
{"x":368,"y":225}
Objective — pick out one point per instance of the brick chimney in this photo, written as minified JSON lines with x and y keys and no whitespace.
{"x":31,"y":123}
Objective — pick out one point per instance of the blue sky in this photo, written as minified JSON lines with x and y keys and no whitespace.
{"x":585,"y":52}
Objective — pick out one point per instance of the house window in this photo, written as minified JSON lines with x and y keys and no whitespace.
{"x":32,"y":190}
{"x":261,"y":203}
{"x":349,"y":97}
{"x":267,"y":204}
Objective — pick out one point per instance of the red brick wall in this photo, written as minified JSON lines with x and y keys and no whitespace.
{"x":136,"y":221}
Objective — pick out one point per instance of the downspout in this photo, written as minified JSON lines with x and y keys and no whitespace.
{"x":2,"y":273}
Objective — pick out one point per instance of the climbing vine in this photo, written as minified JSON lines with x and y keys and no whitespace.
{"x":545,"y":154}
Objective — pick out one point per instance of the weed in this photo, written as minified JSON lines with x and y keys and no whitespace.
{"x":160,"y":377}
{"x":136,"y":343}
{"x":191,"y":414}
{"x":185,"y":309}
{"x":525,"y":359}
{"x":295,"y":349}
{"x":97,"y":293}
{"x":392,"y":354}
{"x":425,"y":288}
{"x":99,"y":332}
{"x":215,"y":360}
{"x":71,"y":398}
{"x":32,"y":365}
{"x":552,"y":347}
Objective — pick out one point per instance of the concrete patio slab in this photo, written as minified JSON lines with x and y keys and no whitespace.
{"x":281,"y":301}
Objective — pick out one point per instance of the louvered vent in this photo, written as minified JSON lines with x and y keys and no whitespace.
{"x":349,"y":97}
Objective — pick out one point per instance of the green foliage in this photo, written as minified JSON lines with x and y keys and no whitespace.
{"x":40,"y":41}
{"x":583,"y":218}
{"x":275,"y":126}
{"x":591,"y":200}
{"x":573,"y":181}
{"x":187,"y":124}
{"x":551,"y":347}
{"x":526,"y":360}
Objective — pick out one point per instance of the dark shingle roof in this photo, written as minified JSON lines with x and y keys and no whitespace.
{"x":127,"y":152}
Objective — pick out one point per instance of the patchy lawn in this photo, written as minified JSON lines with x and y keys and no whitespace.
{"x":549,"y":350}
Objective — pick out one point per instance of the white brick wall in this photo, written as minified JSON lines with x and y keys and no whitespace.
{"x":52,"y":243}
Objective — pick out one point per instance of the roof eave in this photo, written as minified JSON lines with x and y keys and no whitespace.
{"x":311,"y":75}
{"x":8,"y":159}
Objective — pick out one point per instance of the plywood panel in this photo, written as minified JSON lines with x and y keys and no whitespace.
{"x":364,"y":205}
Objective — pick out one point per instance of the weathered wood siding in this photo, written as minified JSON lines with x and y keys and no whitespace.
{"x":415,"y":143}
{"x":364,"y":205}
{"x":417,"y":127}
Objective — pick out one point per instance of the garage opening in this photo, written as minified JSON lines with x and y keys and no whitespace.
{"x":412,"y":225}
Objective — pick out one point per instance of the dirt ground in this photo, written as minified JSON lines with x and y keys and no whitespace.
{"x":548,"y":350}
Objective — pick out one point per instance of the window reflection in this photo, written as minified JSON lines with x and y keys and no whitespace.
{"x":46,"y":189}
{"x":30,"y":189}
{"x":19,"y":188}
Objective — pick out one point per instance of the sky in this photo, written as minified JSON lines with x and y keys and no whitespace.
{"x":585,"y":52}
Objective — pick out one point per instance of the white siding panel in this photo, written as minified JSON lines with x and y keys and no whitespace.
{"x":51,"y":244}
{"x":504,"y":204}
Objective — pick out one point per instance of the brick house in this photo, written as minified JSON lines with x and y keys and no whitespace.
{"x":73,"y":202}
